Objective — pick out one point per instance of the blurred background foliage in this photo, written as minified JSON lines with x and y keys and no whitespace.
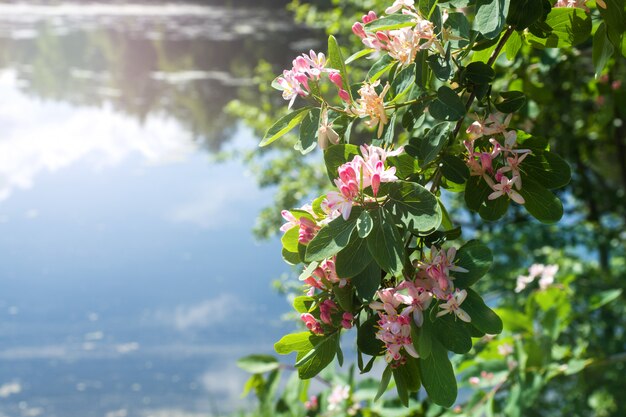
{"x":563,"y":351}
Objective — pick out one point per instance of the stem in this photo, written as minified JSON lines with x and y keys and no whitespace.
{"x":408,"y":103}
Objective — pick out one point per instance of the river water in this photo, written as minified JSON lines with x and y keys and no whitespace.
{"x":130,"y":281}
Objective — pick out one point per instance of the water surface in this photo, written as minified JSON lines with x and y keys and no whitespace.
{"x":130,"y":281}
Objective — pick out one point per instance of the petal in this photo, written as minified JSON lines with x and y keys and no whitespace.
{"x":410,"y":349}
{"x":515,"y":196}
{"x":460,"y":313}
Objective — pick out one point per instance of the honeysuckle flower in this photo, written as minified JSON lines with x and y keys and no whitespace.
{"x":453,"y":306}
{"x":513,"y":167}
{"x":311,"y":323}
{"x":290,"y":86}
{"x":344,"y":95}
{"x":291,"y":221}
{"x":395,"y":333}
{"x":326,"y":309}
{"x":346,"y":320}
{"x":325,"y":132}
{"x":389,"y":301}
{"x":400,"y":4}
{"x":371,"y":104}
{"x":308,"y":230}
{"x":506,"y":187}
{"x":505,"y":349}
{"x":317,"y":62}
{"x":417,"y":301}
{"x":339,"y":394}
{"x":474,"y":380}
{"x":545,"y":272}
{"x":403,"y":45}
{"x":522,"y":282}
{"x":312,"y":403}
{"x":369,"y":17}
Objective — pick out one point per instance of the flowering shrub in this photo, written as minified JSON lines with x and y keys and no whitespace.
{"x":379,"y":252}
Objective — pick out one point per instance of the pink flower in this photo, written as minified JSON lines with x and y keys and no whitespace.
{"x":290,"y":86}
{"x":311,"y":324}
{"x":417,"y":301}
{"x":506,"y":187}
{"x":389,"y":301}
{"x":308,"y":230}
{"x":395,"y":332}
{"x":346,"y":320}
{"x":369,"y":17}
{"x":453,"y":306}
{"x":326,"y":309}
{"x":312,"y":403}
{"x":371,"y":104}
{"x":400,"y":4}
{"x":325,"y":132}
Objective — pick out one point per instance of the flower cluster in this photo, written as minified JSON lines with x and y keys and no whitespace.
{"x":308,"y":68}
{"x":357,"y":175}
{"x":545,"y":273}
{"x":307,"y":227}
{"x":498,"y":160}
{"x":371,"y":104}
{"x":409,"y":299}
{"x":401,"y":44}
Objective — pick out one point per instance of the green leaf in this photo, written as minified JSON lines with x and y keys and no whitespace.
{"x":478,"y":73}
{"x":358,"y":55}
{"x":308,"y":132}
{"x":447,"y":106}
{"x":385,"y":243}
{"x":337,"y":155}
{"x":429,"y":146}
{"x":512,"y":46}
{"x":493,"y":210}
{"x":284,"y":125}
{"x":405,"y":164}
{"x":603,"y":298}
{"x":476,"y":258}
{"x":438,"y":376}
{"x":483,"y":318}
{"x":540,"y":202}
{"x":547,"y":168}
{"x":514,"y":321}
{"x":258,"y":364}
{"x":570,"y":26}
{"x":319,"y":357}
{"x":523,"y":13}
{"x":336,"y":61}
{"x":453,"y":334}
{"x":367,"y":282}
{"x":399,"y":376}
{"x":290,"y":239}
{"x":384,"y":382}
{"x":602,"y":49}
{"x":366,"y":338}
{"x":422,"y":336}
{"x":615,"y":19}
{"x":458,"y":27}
{"x":454,"y":169}
{"x":391,"y":22}
{"x":510,"y":101}
{"x":330,"y":239}
{"x":403,"y":81}
{"x":387,"y":137}
{"x":414,"y":206}
{"x":380,"y":67}
{"x":353,"y":259}
{"x":364,"y":224}
{"x":292,"y":258}
{"x":345,"y":297}
{"x":295,"y":342}
{"x":303,"y":303}
{"x":489,"y":18}
{"x":441,"y":66}
{"x":476,"y":192}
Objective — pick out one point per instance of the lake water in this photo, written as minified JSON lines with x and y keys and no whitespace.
{"x":120,"y":295}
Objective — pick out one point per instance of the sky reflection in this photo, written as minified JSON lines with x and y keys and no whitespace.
{"x":120,"y":297}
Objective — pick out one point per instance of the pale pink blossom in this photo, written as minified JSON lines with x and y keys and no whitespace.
{"x":325,"y":132}
{"x":290,"y":86}
{"x":545,"y":273}
{"x":400,"y":4}
{"x":311,"y":323}
{"x":417,"y":300}
{"x":371,"y":104}
{"x":453,"y":305}
{"x":395,"y":333}
{"x":389,"y":301}
{"x":339,"y":394}
{"x":506,"y":187}
{"x":505,"y":349}
{"x":474,"y":380}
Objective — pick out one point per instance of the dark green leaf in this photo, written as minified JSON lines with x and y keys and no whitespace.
{"x":330,"y":239}
{"x":438,"y":376}
{"x":476,"y":192}
{"x":540,"y":202}
{"x":602,"y":49}
{"x":454,"y":169}
{"x":447,"y":106}
{"x":422,"y":336}
{"x":367,"y":282}
{"x":284,"y":125}
{"x":615,"y":18}
{"x":453,"y":334}
{"x":414,"y":206}
{"x":364,"y":224}
{"x":478,"y":73}
{"x":493,"y":210}
{"x":258,"y":364}
{"x":319,"y":357}
{"x":380,"y":67}
{"x":402,"y":81}
{"x":511,"y":101}
{"x":291,"y":258}
{"x":353,"y":259}
{"x":476,"y":258}
{"x":523,"y":13}
{"x":441,"y":65}
{"x":384,"y":382}
{"x":345,"y":296}
{"x":405,"y":164}
{"x":603,"y":298}
{"x":385,"y":243}
{"x":429,"y":146}
{"x":399,"y":376}
{"x":459,"y":27}
{"x":366,"y":338}
{"x":483,"y":318}
{"x":547,"y":168}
